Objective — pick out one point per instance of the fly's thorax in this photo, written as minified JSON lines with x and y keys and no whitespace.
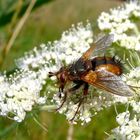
{"x":79,"y":68}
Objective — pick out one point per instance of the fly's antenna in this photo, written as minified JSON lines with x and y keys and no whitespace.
{"x":51,"y":74}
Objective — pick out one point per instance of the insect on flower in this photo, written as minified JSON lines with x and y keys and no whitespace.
{"x":100,"y":72}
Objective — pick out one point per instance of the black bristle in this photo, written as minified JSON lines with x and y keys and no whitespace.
{"x":117,"y":61}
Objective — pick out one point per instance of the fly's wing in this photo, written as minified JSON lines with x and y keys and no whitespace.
{"x":109,"y":82}
{"x":103,"y":42}
{"x":112,"y":82}
{"x":100,"y":45}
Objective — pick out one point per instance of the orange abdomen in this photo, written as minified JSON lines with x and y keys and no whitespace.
{"x":108,"y":64}
{"x":111,"y":68}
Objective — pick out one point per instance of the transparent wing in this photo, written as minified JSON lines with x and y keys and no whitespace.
{"x":101,"y":44}
{"x":108,"y":82}
{"x":112,"y":83}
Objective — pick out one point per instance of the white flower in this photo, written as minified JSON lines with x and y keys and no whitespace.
{"x":68,"y":48}
{"x":119,"y":22}
{"x":85,"y":116}
{"x":128,"y":129}
{"x":42,"y":100}
{"x":133,"y":79}
{"x":135,"y":105}
{"x":132,"y":42}
{"x":123,"y":118}
{"x":120,"y":99}
{"x":19,"y":94}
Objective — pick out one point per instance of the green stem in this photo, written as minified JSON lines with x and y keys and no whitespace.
{"x":48,"y":107}
{"x":136,"y":30}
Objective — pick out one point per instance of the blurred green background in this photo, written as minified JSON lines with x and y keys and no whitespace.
{"x":46,"y":22}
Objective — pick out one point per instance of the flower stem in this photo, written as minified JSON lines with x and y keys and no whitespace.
{"x":70,"y":132}
{"x":48,"y":107}
{"x":136,"y":30}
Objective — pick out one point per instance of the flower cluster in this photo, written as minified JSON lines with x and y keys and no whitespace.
{"x":128,"y":129}
{"x":133,"y":79}
{"x":129,"y":122}
{"x":120,"y":22}
{"x":19,"y":93}
{"x":72,"y":44}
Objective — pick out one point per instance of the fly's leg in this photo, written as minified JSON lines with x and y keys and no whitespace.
{"x":77,"y":86}
{"x":79,"y":104}
{"x":61,"y":89}
{"x":86,"y":86}
{"x":64,"y":100}
{"x":85,"y":92}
